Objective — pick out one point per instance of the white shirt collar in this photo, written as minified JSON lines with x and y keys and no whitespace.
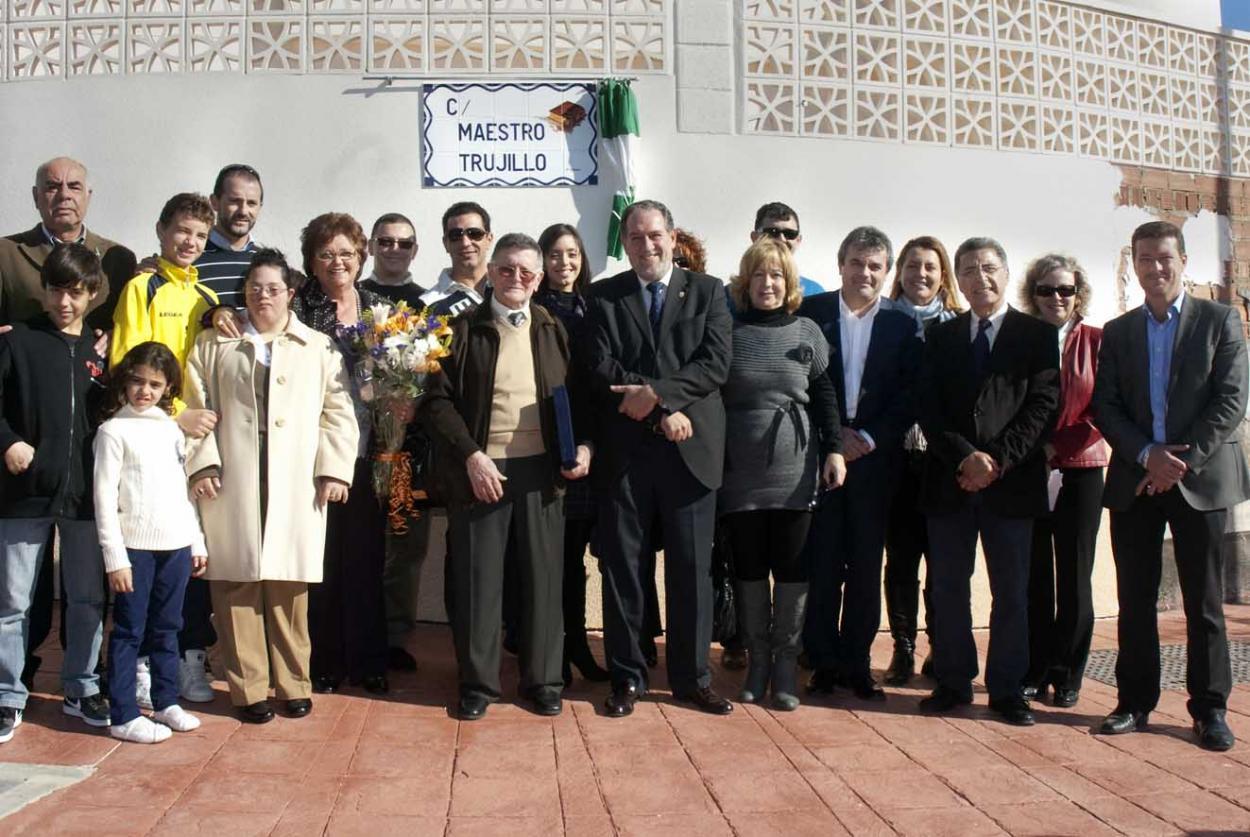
{"x":663,"y":280}
{"x":502,"y":311}
{"x":867,"y":314}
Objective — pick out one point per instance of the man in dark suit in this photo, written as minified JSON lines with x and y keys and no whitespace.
{"x":660,"y":343}
{"x":873,"y":357}
{"x":1169,"y":397}
{"x":990,"y":389}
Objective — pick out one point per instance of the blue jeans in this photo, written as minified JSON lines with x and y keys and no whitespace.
{"x":150,"y":615}
{"x":23,"y":547}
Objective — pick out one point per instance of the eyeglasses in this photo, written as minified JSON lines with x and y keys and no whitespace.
{"x":508,"y":271}
{"x":780,"y":232}
{"x":472,"y":233}
{"x":1064,"y":291}
{"x":399,"y":243}
{"x":989,"y":269}
{"x":328,"y":257}
{"x":262,"y":291}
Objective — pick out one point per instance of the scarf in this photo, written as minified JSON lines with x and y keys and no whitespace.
{"x":922,"y":314}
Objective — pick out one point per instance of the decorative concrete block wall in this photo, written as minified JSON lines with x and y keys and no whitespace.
{"x":42,"y":39}
{"x":1015,"y":75}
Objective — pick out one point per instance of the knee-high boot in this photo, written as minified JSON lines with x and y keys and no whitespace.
{"x":902,"y":604}
{"x":789,"y":607}
{"x":754,"y":616}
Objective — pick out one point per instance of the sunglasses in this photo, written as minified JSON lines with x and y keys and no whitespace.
{"x":400,"y":243}
{"x":1047,"y":291}
{"x":472,"y":233}
{"x":780,"y":232}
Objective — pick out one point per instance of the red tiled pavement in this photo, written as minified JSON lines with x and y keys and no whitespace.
{"x":361,"y":766}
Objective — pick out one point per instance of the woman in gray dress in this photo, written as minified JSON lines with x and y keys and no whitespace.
{"x":782,"y":439}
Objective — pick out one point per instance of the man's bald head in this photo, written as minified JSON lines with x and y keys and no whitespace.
{"x":62,"y":196}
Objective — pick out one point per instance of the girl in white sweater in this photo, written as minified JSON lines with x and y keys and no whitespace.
{"x":150,"y":537}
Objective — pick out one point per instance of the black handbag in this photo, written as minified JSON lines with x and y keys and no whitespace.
{"x":724,"y":602}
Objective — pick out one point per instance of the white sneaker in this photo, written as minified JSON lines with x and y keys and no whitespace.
{"x":141,"y":731}
{"x":193,"y":682}
{"x":143,"y":684}
{"x":176,"y":718}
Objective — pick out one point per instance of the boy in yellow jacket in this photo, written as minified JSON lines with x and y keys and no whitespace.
{"x":167,"y":305}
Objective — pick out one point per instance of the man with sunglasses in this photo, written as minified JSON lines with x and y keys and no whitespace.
{"x":467,"y":240}
{"x":779,"y":221}
{"x":393,"y":246}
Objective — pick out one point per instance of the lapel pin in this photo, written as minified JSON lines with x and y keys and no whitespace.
{"x":681,"y":294}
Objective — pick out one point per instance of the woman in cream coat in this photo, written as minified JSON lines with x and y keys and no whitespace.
{"x":286,"y":420}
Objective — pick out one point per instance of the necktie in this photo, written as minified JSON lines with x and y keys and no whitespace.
{"x":657,"y":290}
{"x":516,"y":318}
{"x":981,"y":348}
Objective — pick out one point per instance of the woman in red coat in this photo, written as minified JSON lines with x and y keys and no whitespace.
{"x":1061,"y":606}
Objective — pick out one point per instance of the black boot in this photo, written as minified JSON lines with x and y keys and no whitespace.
{"x":903,"y":663}
{"x":577,"y":652}
{"x":755,"y":607}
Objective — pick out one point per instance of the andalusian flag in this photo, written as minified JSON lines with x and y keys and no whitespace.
{"x":618,"y":125}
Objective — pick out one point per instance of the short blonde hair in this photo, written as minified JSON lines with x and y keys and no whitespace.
{"x":1045,"y":265}
{"x":764,"y":251}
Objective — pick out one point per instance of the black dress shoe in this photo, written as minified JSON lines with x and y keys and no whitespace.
{"x":1213,"y":732}
{"x":944,"y":699}
{"x":546,"y":702}
{"x":864,"y":687}
{"x":822,"y":681}
{"x":1065,"y":698}
{"x":397,"y":659}
{"x":325,"y":685}
{"x":1030,"y":692}
{"x":620,"y":701}
{"x":472,"y":706}
{"x":256,"y":713}
{"x":1013,"y":710}
{"x":376,"y":684}
{"x":733,"y":659}
{"x":706,"y":700}
{"x":298,"y":707}
{"x":1121,"y":721}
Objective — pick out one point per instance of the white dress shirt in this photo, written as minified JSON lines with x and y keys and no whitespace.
{"x":856,"y":334}
{"x":996,"y":324}
{"x":502,"y":312}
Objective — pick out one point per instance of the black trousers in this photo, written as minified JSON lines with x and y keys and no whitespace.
{"x":1061,"y":598}
{"x":906,"y":543}
{"x":768,"y":541}
{"x":347,"y":610}
{"x":478,"y":536}
{"x":1006,"y":542}
{"x":843,"y":554}
{"x":1137,"y":544}
{"x":657,"y":482}
{"x":573,"y":596}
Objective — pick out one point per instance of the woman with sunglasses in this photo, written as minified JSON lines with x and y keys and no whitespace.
{"x":566,"y":279}
{"x":1061,"y":607}
{"x":924,"y":288}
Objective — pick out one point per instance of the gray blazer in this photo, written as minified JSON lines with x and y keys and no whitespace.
{"x":1205,"y":407}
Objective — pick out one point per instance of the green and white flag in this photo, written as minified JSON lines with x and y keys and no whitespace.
{"x":618,"y":125}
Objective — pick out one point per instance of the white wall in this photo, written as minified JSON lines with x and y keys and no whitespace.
{"x":326,"y":143}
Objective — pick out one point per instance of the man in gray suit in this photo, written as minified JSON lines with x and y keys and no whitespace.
{"x":1169,"y":396}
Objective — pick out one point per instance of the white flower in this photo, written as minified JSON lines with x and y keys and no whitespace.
{"x":381,"y":312}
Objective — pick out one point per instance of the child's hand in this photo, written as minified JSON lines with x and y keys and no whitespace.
{"x":205,"y":488}
{"x":197,"y":423}
{"x":122,"y":581}
{"x":18,"y":457}
{"x":199,"y":565}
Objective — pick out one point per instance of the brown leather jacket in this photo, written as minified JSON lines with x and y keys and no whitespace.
{"x":455,"y":409}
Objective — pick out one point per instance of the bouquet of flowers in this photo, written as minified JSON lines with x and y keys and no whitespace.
{"x":396,"y":348}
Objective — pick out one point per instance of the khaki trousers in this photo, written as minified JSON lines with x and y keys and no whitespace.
{"x":263,"y":627}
